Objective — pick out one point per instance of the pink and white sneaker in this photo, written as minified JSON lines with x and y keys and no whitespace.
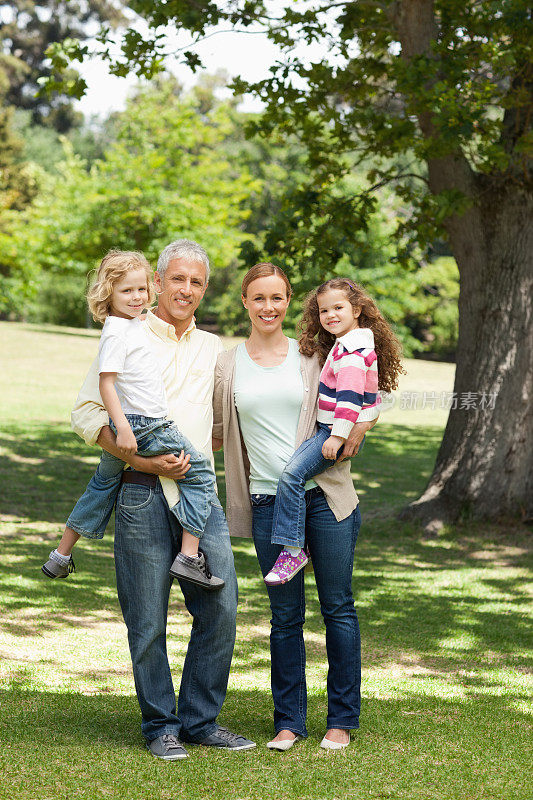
{"x":285,"y":568}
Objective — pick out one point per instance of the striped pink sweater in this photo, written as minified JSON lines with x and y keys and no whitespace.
{"x":348,"y":390}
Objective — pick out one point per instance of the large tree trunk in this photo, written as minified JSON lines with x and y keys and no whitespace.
{"x":485,"y":462}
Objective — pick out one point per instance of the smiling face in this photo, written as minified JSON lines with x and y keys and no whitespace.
{"x":130,"y":295}
{"x":266,"y":301}
{"x":180,"y":292}
{"x":337,"y":315}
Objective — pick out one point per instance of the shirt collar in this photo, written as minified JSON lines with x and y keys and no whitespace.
{"x":111,"y":321}
{"x":164,"y":330}
{"x":357,"y":339}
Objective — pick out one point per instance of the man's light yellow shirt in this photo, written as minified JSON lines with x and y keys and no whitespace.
{"x":188,"y":368}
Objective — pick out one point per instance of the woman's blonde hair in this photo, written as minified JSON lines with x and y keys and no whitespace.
{"x":113,"y":267}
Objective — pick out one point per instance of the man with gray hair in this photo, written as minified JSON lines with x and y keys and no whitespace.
{"x":147,"y":536}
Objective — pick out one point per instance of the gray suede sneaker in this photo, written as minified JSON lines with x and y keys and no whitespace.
{"x":222,"y":737}
{"x":168,"y":747}
{"x":196,"y":571}
{"x":54,"y":569}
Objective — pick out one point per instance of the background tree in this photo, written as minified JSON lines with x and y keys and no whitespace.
{"x":450,"y":83}
{"x":163,"y":175}
{"x":18,"y":187}
{"x":27,"y":29}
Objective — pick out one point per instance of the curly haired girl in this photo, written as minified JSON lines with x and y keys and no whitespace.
{"x":343,"y":325}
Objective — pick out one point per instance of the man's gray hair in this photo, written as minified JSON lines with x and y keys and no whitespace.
{"x":182,"y":248}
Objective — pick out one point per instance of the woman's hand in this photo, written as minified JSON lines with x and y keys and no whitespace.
{"x":331,"y":447}
{"x":216,"y":444}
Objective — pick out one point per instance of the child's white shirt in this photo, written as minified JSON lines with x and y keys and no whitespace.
{"x":125,"y":349}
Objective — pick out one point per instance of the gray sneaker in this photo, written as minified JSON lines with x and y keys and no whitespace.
{"x":53,"y":569}
{"x":196,"y":571}
{"x":168,"y":747}
{"x":222,"y":737}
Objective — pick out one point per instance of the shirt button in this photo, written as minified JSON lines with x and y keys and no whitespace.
{"x":305,"y":408}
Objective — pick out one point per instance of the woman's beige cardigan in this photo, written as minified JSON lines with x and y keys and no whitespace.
{"x":336,"y":481}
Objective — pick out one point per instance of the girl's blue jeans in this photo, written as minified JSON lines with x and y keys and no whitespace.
{"x":288,"y":526}
{"x":332,"y":546}
{"x":154,"y":437}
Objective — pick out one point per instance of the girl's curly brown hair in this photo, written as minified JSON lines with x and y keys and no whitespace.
{"x":314,"y":339}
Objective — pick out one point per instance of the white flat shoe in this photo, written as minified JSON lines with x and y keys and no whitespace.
{"x":328,"y":744}
{"x":283,"y":744}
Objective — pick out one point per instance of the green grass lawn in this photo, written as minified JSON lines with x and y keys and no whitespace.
{"x":444,"y":625}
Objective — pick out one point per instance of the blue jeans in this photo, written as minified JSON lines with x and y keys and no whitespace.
{"x":288,"y":527}
{"x":147,"y":539}
{"x":154,"y":437}
{"x":332,"y":546}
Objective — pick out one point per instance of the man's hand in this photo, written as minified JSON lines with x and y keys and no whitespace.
{"x":353,"y":442}
{"x":166,"y":465}
{"x":331,"y":447}
{"x":216,"y":444}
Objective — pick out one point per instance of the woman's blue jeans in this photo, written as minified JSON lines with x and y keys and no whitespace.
{"x":332,"y":546}
{"x":288,"y":526}
{"x":147,"y":539}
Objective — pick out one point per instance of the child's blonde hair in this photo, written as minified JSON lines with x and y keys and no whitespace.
{"x":112,"y":268}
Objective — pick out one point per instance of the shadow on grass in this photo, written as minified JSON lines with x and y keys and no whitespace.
{"x":67,"y":717}
{"x":44,"y":469}
{"x":402,"y":622}
{"x":414,"y":596}
{"x":408,"y":611}
{"x":415,"y":748}
{"x":395,"y":466}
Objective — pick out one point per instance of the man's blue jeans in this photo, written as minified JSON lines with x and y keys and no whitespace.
{"x":147,"y":539}
{"x":288,"y":527}
{"x":154,"y":437}
{"x":332,"y":546}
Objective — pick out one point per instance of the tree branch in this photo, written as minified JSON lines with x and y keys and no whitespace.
{"x":200,"y":39}
{"x":417,"y":28}
{"x":517,"y":119}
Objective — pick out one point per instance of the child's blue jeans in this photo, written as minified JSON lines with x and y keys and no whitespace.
{"x":154,"y":437}
{"x":288,"y":522}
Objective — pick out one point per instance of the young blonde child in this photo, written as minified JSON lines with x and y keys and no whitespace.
{"x":343,"y":325}
{"x":133,"y":394}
